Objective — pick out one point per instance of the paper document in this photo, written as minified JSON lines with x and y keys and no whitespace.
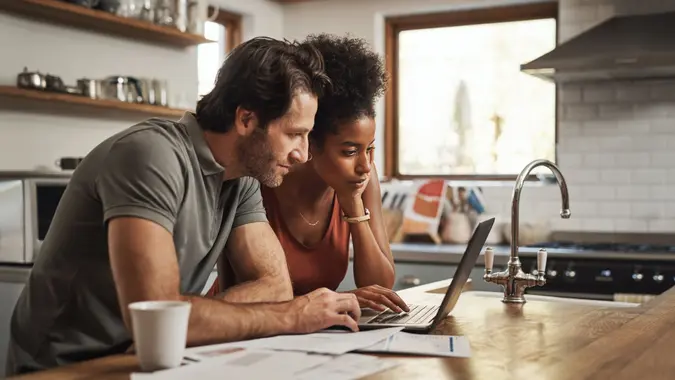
{"x":333,"y":343}
{"x":279,"y":365}
{"x":347,"y":366}
{"x":238,"y":363}
{"x":434,"y":345}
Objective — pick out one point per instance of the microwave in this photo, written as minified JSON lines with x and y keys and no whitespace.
{"x":28,"y":203}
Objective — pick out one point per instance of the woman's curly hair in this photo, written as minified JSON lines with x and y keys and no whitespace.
{"x":358,"y":79}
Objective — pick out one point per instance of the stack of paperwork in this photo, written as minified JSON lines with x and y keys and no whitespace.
{"x":326,"y":355}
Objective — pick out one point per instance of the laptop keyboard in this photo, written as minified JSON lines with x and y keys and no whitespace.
{"x":418,"y":314}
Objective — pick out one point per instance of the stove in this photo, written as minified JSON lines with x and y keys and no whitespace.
{"x":605,"y":278}
{"x":606,"y":247}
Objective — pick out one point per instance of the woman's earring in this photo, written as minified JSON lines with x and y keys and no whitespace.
{"x":310,"y":157}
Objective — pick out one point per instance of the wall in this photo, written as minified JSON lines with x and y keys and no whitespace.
{"x":615,"y":140}
{"x":365,"y":19}
{"x":34,"y":140}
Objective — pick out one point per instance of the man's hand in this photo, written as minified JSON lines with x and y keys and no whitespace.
{"x":379,"y":298}
{"x":324,"y":308}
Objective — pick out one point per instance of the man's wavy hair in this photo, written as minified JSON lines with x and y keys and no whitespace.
{"x":262,"y":75}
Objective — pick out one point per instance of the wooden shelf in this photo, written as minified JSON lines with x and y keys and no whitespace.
{"x":15,"y":97}
{"x":59,"y":12}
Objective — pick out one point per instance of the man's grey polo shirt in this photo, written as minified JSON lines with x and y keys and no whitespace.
{"x":158,"y":170}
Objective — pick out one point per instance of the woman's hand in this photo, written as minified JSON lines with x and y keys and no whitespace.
{"x":379,"y":298}
{"x":349,"y":195}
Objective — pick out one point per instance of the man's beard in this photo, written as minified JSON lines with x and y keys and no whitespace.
{"x":256,"y":156}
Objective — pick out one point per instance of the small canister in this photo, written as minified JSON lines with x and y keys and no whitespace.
{"x":90,"y":87}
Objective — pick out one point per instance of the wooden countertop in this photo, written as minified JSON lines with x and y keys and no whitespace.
{"x":541,"y":339}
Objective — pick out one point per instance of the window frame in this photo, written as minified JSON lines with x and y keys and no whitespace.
{"x":232,"y":23}
{"x":396,"y":24}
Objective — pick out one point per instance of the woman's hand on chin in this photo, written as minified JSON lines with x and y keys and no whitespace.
{"x":379,"y":298}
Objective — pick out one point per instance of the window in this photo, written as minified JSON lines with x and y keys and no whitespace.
{"x":225,"y":30}
{"x":459,"y":105}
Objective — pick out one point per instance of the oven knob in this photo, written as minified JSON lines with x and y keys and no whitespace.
{"x":606,"y":273}
{"x":570,"y":273}
{"x":658,"y":278}
{"x":637,"y":276}
{"x":552,"y":272}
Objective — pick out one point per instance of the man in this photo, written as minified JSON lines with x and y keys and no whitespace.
{"x":149,"y":211}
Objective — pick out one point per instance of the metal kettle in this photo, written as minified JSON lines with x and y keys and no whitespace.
{"x":122,"y":88}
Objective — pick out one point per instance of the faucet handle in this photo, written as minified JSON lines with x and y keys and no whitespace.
{"x":489,"y":259}
{"x":541,"y":261}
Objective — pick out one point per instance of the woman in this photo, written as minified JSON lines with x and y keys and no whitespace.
{"x":336,"y":194}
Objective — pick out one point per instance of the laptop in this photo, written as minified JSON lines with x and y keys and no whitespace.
{"x":422,"y":318}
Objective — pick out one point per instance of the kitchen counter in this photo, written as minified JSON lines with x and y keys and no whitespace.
{"x":16,"y":174}
{"x":545,"y":338}
{"x":452,"y":253}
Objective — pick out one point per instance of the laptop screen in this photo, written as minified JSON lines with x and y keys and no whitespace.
{"x":464,"y":268}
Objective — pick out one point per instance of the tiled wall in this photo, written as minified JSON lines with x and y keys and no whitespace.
{"x":617,"y":139}
{"x":616,"y":144}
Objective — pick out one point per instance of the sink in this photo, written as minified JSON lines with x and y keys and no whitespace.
{"x":533,"y":297}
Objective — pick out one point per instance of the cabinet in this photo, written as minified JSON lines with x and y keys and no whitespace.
{"x":12,"y":282}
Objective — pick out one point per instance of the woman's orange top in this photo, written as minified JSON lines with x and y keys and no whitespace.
{"x":322,"y":265}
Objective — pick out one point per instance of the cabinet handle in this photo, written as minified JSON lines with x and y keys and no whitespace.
{"x":409,"y":280}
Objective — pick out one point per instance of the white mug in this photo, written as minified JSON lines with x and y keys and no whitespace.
{"x":198,"y":15}
{"x":160,"y":332}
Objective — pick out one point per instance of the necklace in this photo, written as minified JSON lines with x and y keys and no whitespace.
{"x":307,"y":221}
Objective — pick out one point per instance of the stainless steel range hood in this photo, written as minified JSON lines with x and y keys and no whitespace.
{"x":633,"y":47}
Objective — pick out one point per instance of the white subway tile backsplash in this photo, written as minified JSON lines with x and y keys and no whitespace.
{"x":615,"y":112}
{"x":662,"y":192}
{"x":669,"y":210}
{"x":630,"y":225}
{"x":633,"y":127}
{"x":626,"y":94}
{"x":597,"y":224}
{"x":614,"y":209}
{"x":570,"y":160}
{"x":651,"y":111}
{"x":599,"y":128}
{"x":632,"y":160}
{"x":647,"y":210}
{"x":597,"y":192}
{"x":663,"y":159}
{"x":649,"y":176}
{"x":580,"y":111}
{"x":662,"y":226}
{"x":599,"y":160}
{"x":571,"y":224}
{"x":663,"y":91}
{"x":616,"y":143}
{"x":650,"y":142}
{"x":602,"y":94}
{"x":569,"y":94}
{"x":605,"y":11}
{"x":578,"y":145}
{"x":615,"y":176}
{"x":662,"y":126}
{"x":584,"y":208}
{"x":582,"y":176}
{"x":632,"y":193}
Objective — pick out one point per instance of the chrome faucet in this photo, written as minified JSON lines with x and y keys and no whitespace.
{"x":513,"y":280}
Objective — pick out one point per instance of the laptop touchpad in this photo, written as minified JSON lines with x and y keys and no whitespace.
{"x":368,"y":314}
